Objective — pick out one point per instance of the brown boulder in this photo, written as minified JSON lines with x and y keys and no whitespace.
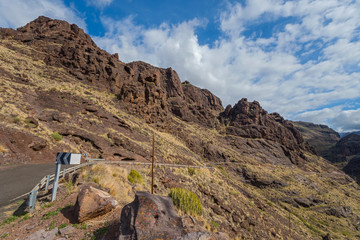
{"x":37,"y":145}
{"x":92,"y":202}
{"x":150,"y":217}
{"x":32,"y":122}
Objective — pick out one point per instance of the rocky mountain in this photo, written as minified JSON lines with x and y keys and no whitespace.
{"x":60,"y":92}
{"x":343,"y":134}
{"x":343,"y":152}
{"x":320,"y":137}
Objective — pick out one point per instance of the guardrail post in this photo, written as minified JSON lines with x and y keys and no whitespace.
{"x":64,"y":173}
{"x":56,"y":181}
{"x":47,"y":182}
{"x":32,"y":199}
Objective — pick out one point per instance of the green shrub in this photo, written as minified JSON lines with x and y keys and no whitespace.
{"x":83,"y":226}
{"x":186,"y":200}
{"x":134,"y":177}
{"x":51,"y":214}
{"x":51,"y":226}
{"x":191,"y":171}
{"x":16,"y":120}
{"x":62,"y":226}
{"x":56,"y":136}
{"x":4,"y":235}
{"x":30,"y":123}
{"x":214,"y":224}
{"x":10,"y":219}
{"x":69,"y":187}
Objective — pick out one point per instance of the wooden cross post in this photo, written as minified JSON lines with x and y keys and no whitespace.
{"x":152,"y":165}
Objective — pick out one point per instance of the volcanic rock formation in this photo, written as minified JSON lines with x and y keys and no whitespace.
{"x":60,"y":92}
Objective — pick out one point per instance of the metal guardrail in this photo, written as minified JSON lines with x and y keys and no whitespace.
{"x":48,"y":179}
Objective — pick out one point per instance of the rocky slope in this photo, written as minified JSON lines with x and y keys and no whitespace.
{"x":343,"y":152}
{"x":60,"y":92}
{"x":320,"y":137}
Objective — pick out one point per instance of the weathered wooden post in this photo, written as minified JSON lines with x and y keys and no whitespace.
{"x":152,"y":165}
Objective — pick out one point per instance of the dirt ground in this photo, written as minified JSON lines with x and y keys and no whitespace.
{"x":58,"y":215}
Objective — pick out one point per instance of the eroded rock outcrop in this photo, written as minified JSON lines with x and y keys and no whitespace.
{"x":150,"y":217}
{"x":142,"y":89}
{"x":250,"y":120}
{"x":92,"y":202}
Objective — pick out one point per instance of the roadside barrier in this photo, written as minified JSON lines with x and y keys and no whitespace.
{"x":49,"y":179}
{"x":46,"y":181}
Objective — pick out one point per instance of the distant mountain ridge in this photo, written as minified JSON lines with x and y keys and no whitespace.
{"x":344,"y":134}
{"x":341,"y":149}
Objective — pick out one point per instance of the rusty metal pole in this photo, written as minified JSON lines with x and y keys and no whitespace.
{"x":152,"y":165}
{"x":289,"y":224}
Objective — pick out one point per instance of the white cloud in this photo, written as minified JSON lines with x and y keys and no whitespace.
{"x":309,"y":63}
{"x":319,"y":116}
{"x":347,"y":121}
{"x":99,"y":3}
{"x":16,"y":13}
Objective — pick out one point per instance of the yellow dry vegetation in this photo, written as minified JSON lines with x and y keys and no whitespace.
{"x":3,"y":149}
{"x":112,"y":177}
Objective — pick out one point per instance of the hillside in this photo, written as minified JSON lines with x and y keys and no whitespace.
{"x":321,"y":137}
{"x":344,"y":152}
{"x":344,"y":134}
{"x":60,"y":92}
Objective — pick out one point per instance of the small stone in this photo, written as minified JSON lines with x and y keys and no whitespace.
{"x":66,"y":230}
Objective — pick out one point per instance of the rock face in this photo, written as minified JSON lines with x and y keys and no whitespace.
{"x":346,"y":152}
{"x":150,"y":217}
{"x":327,"y":143}
{"x":353,"y":168}
{"x":250,"y":120}
{"x":92,"y":202}
{"x":348,"y":146}
{"x":141,"y":88}
{"x":321,"y":137}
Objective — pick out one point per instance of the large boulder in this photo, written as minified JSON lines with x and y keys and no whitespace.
{"x":150,"y":217}
{"x":92,"y":202}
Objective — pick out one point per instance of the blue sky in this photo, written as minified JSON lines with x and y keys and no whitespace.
{"x":300,"y":58}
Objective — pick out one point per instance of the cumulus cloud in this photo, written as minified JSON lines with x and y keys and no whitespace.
{"x":308,"y":63}
{"x":16,"y":13}
{"x":347,"y":121}
{"x":307,"y":67}
{"x":99,"y":3}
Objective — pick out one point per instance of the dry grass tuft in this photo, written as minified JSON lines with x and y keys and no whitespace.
{"x":112,"y":177}
{"x":3,"y":149}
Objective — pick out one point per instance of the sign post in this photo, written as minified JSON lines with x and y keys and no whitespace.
{"x":65,"y":158}
{"x":56,"y":181}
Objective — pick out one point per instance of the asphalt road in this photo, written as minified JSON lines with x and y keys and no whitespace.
{"x":15,"y":181}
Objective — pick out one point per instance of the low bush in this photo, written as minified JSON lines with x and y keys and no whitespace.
{"x":186,"y":201}
{"x":56,"y":136}
{"x":134,"y":177}
{"x":16,"y":120}
{"x":191,"y":171}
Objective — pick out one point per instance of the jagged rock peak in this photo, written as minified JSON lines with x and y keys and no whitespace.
{"x":142,"y":89}
{"x":249,"y":119}
{"x":44,"y":27}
